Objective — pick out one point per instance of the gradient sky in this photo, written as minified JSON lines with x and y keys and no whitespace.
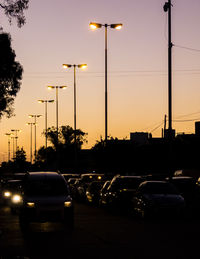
{"x":57,"y":32}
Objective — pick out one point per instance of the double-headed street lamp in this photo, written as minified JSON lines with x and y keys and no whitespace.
{"x":45,"y":102}
{"x":74,"y":66}
{"x":35,"y":116}
{"x":31,"y":125}
{"x":116,"y":26}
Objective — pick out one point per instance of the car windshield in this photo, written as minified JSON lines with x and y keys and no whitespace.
{"x":159,"y":188}
{"x":46,"y":187}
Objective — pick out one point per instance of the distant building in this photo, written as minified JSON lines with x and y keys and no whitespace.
{"x":140,"y":138}
{"x":197,"y":128}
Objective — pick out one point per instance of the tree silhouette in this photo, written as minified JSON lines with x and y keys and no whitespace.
{"x":15,"y":10}
{"x":10,"y":75}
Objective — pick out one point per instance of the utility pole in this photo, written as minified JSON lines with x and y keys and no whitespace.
{"x":167,"y":8}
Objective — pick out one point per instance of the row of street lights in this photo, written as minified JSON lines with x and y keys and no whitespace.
{"x":93,"y":26}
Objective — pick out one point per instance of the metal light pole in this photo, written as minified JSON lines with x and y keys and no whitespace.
{"x":9,"y":136}
{"x":74,"y":66}
{"x":13,"y":139}
{"x":56,"y":87}
{"x":31,"y":125}
{"x":45,"y":102}
{"x":117,"y":26}
{"x":16,"y":138}
{"x":167,"y":8}
{"x":35,"y":116}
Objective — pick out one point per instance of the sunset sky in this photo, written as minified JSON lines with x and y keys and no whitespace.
{"x":57,"y":32}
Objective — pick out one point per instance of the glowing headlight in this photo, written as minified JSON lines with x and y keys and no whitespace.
{"x":30,"y":204}
{"x":16,"y":198}
{"x":7,"y":194}
{"x":67,"y":204}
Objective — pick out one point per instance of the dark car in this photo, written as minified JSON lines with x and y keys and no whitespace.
{"x":120,"y":191}
{"x":156,"y":198}
{"x":46,"y":198}
{"x":83,"y":183}
{"x":188,"y":188}
{"x":10,"y":193}
{"x":103,"y":193}
{"x":93,"y":192}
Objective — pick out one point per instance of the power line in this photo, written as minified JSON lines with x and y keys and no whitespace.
{"x":187,"y":48}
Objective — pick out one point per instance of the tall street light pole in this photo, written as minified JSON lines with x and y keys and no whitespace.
{"x":16,"y":138}
{"x":116,"y":26}
{"x":167,"y":8}
{"x":35,"y":116}
{"x":56,"y":87}
{"x":31,"y":125}
{"x":45,"y":102}
{"x":74,"y":66}
{"x":9,"y":136}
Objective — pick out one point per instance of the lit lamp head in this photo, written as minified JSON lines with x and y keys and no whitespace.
{"x":41,"y":101}
{"x":94,"y":25}
{"x":83,"y":66}
{"x":116,"y":26}
{"x":67,"y":65}
{"x":50,"y":87}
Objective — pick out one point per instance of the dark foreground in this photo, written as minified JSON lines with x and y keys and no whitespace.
{"x":100,"y":234}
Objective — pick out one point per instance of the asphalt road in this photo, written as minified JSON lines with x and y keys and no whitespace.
{"x":100,"y":234}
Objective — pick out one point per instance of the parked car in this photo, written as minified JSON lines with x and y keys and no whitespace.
{"x":120,"y":191}
{"x":157,"y":198}
{"x":46,"y":197}
{"x":93,"y":192}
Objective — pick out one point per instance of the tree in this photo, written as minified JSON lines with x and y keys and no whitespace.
{"x":66,"y":136}
{"x":10,"y":75}
{"x":14,"y":9}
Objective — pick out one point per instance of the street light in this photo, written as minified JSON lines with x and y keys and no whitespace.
{"x":9,"y":136}
{"x":31,"y":125}
{"x":35,"y":116}
{"x":16,"y":137}
{"x":82,"y":66}
{"x":56,"y":87}
{"x":45,"y":102}
{"x":116,"y":26}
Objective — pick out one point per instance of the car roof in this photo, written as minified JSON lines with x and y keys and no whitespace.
{"x":44,"y":175}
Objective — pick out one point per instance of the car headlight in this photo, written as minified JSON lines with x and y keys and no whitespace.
{"x":7,"y":194}
{"x":68,"y":204}
{"x":16,"y":198}
{"x":30,"y":204}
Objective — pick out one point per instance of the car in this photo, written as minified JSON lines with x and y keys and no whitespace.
{"x":103,"y":193}
{"x":157,"y":198}
{"x":83,"y":183}
{"x":188,"y":188}
{"x":46,"y":198}
{"x":93,"y":192}
{"x":120,"y":191}
{"x":10,"y":192}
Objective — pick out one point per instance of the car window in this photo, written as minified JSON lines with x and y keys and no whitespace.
{"x":46,"y":187}
{"x":159,"y":188}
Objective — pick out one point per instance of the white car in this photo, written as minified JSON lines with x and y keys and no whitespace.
{"x":45,"y":197}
